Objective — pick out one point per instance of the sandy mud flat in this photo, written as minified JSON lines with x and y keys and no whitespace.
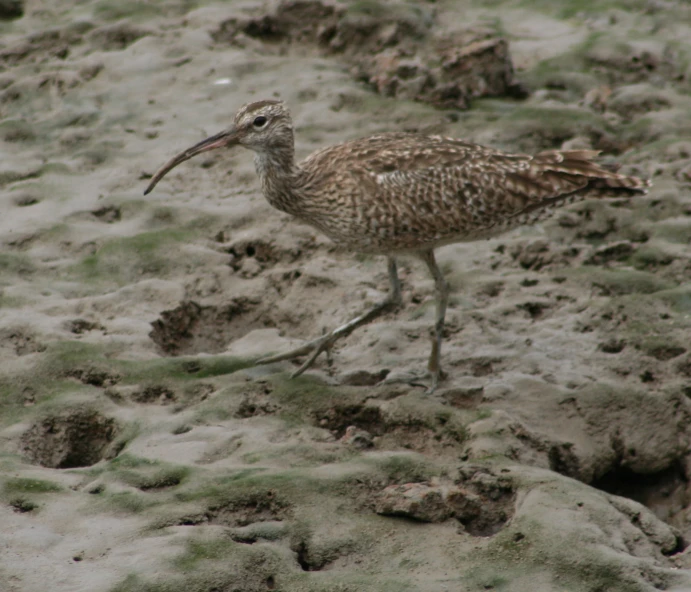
{"x":140,"y":449}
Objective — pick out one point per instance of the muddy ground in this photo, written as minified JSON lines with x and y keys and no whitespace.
{"x":140,"y":450}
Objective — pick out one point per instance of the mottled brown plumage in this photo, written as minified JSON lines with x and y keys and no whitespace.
{"x":403,"y":193}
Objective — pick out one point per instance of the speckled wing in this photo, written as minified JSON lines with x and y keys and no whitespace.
{"x":428,"y":190}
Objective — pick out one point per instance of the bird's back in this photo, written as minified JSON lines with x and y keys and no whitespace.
{"x":407,"y":192}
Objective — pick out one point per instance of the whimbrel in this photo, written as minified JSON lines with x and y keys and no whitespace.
{"x":403,"y":193}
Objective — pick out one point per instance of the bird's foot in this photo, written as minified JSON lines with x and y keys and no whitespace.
{"x":314,"y":348}
{"x":427,"y":380}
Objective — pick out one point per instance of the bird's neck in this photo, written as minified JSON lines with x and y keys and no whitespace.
{"x":280,"y":178}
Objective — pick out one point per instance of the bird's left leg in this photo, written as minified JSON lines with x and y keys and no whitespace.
{"x":324,"y":343}
{"x":442,"y":300}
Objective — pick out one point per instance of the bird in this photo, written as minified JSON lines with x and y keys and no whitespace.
{"x":401,"y":194}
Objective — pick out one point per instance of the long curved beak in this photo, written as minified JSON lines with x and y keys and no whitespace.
{"x":228,"y":137}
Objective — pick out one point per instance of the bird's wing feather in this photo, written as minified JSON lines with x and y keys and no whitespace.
{"x":504,"y":183}
{"x":412,"y":189}
{"x":397,"y":152}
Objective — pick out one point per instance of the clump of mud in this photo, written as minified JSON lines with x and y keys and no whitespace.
{"x":393,"y":49}
{"x":481,"y":501}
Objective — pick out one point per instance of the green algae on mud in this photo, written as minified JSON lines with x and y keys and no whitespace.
{"x":160,"y":479}
{"x":123,"y":260}
{"x":61,"y":357}
{"x":15,"y":264}
{"x":675,"y":230}
{"x":568,"y":9}
{"x":23,"y":494}
{"x":124,"y":502}
{"x":114,"y":10}
{"x":291,"y":492}
{"x":679,"y":298}
{"x":20,"y":393}
{"x":11,"y":301}
{"x":547,"y":127}
{"x":28,"y":485}
{"x":651,"y":257}
{"x":403,"y":468}
{"x":227,"y":565}
{"x":17,"y":130}
{"x":68,"y":370}
{"x":647,"y":321}
{"x":145,"y":474}
{"x":618,"y":282}
{"x":305,"y":395}
{"x":248,"y":485}
{"x":300,"y":455}
{"x":660,"y":347}
{"x":410,"y":421}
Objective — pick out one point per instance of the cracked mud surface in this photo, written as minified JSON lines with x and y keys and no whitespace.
{"x":140,"y":450}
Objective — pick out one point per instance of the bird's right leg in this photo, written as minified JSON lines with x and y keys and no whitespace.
{"x":392,"y":301}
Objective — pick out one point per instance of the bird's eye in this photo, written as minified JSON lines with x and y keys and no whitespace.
{"x":259,"y":121}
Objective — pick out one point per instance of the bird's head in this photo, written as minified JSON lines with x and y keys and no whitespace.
{"x":263,"y":126}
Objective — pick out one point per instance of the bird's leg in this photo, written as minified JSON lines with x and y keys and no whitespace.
{"x":442,"y":299}
{"x":314,"y":348}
